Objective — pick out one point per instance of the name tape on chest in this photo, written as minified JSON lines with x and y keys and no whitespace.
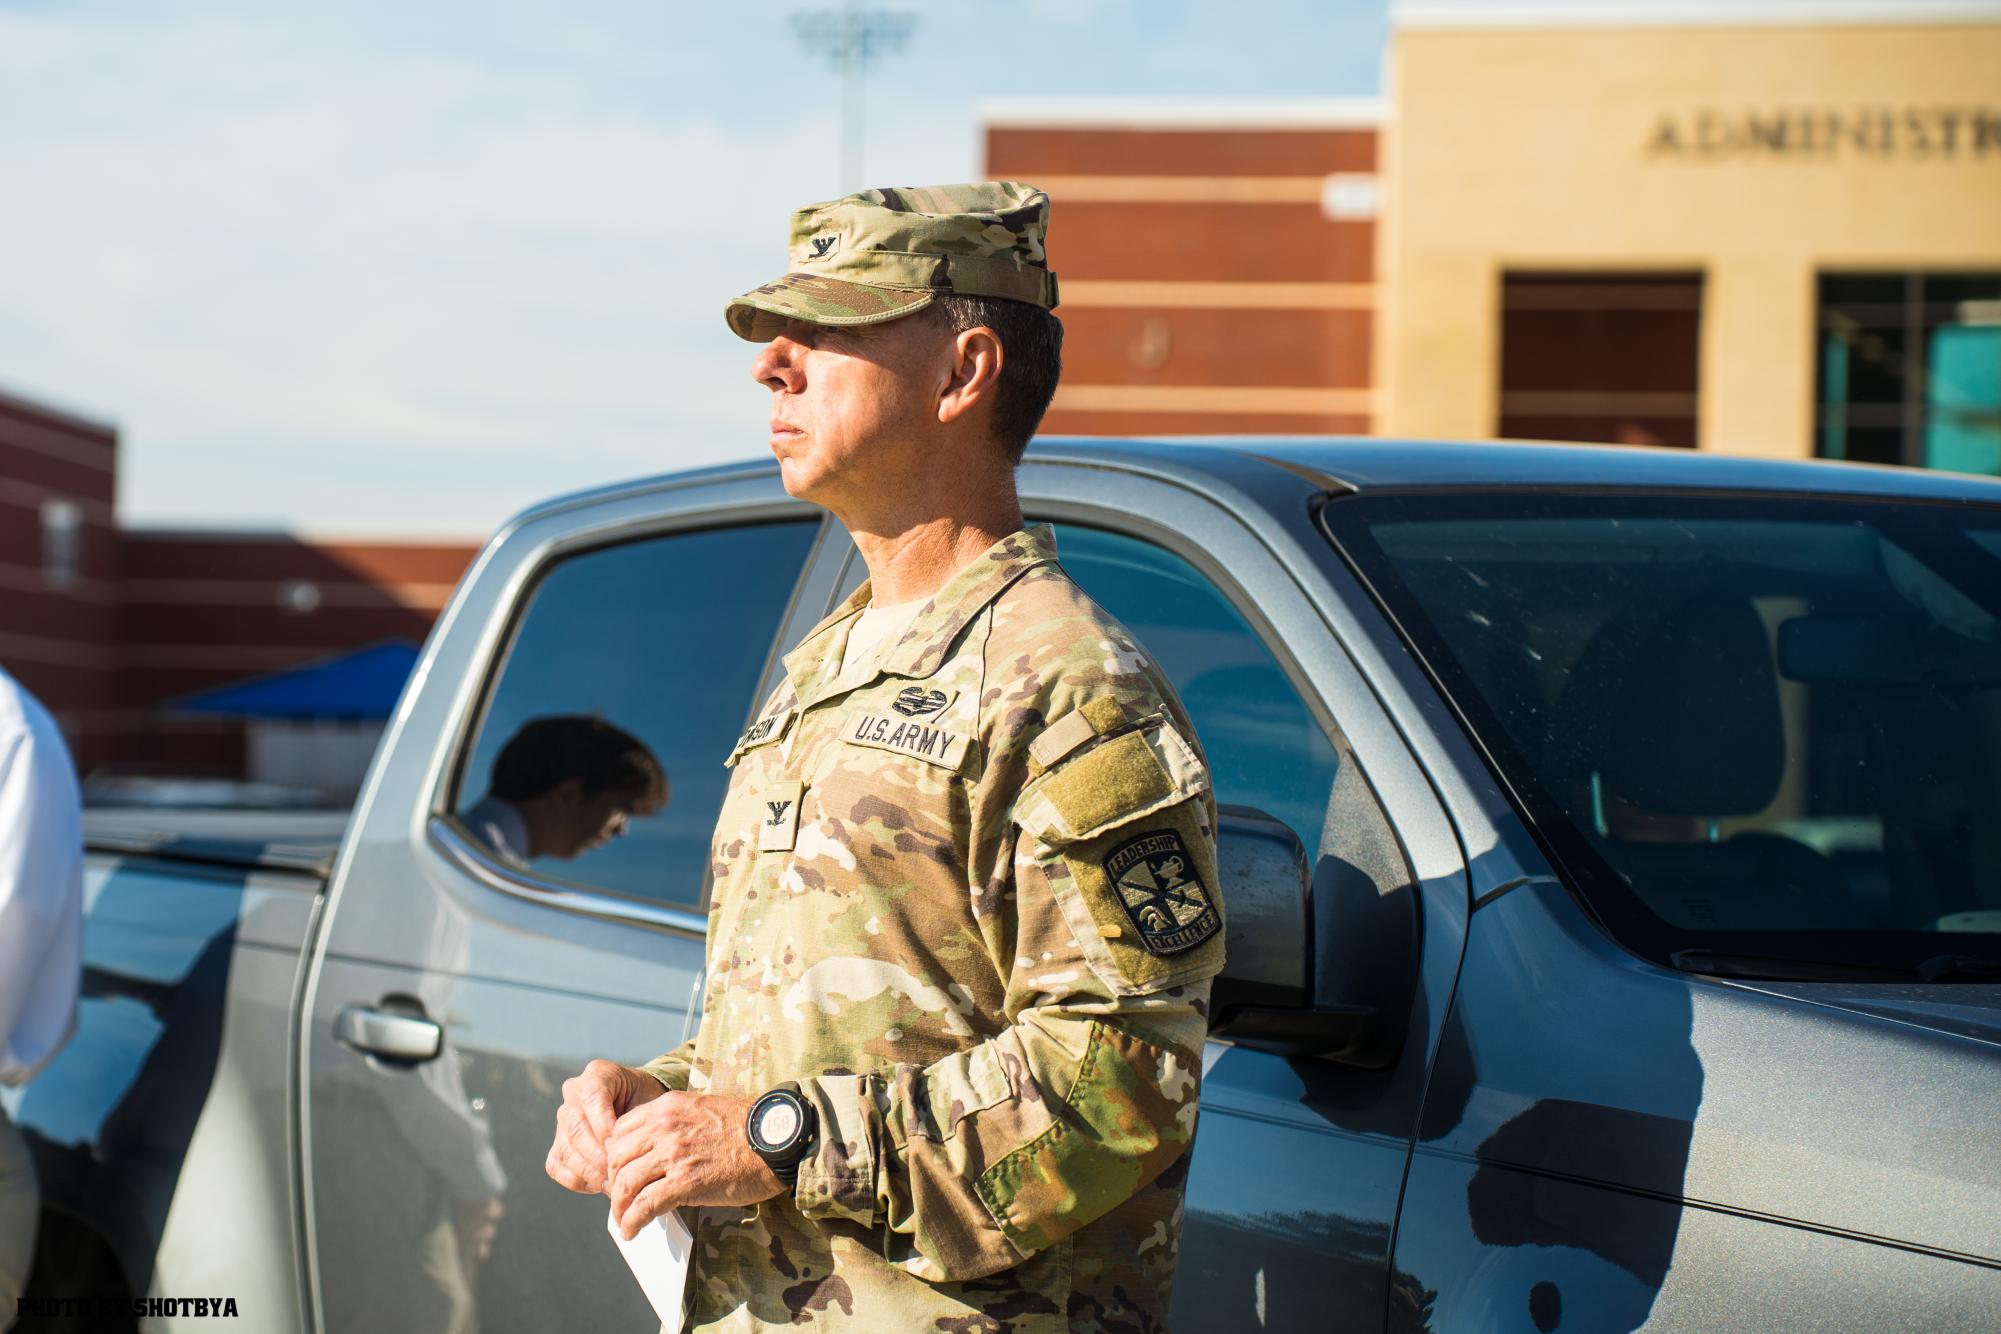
{"x":760,"y":733}
{"x":918,"y":738}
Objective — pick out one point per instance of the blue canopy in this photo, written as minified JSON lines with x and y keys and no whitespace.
{"x":362,"y":684}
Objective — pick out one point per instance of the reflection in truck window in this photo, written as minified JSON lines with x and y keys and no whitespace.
{"x":660,"y":642}
{"x":565,"y":786}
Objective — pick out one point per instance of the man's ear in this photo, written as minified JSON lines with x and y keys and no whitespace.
{"x":570,"y":792}
{"x":974,"y":372}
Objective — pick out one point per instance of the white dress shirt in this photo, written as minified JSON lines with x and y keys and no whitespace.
{"x":501,"y":827}
{"x":41,"y":886}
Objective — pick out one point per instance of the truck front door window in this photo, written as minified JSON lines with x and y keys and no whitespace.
{"x":1763,"y":735}
{"x":599,"y":759}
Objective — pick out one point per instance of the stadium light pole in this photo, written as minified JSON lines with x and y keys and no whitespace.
{"x":852,"y":39}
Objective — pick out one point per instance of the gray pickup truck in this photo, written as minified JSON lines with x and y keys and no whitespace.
{"x":1612,"y":849}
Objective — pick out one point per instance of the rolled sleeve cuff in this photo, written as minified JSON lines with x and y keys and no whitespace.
{"x":673,"y":1078}
{"x":838,"y":1181}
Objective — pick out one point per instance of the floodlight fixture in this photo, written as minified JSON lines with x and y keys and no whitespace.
{"x":852,"y":40}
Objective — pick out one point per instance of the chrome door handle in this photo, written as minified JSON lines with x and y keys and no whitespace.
{"x":401,"y":1037}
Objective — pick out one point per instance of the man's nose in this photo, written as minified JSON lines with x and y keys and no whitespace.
{"x":777,"y":365}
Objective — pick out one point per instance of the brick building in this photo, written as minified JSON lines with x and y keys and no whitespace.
{"x":1218,"y":259}
{"x":112,"y":628}
{"x":1758,"y":228}
{"x":59,"y":564}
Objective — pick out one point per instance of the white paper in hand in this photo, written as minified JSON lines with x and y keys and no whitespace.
{"x":658,"y":1258}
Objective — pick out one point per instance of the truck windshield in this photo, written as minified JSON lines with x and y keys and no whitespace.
{"x":1757,"y":735}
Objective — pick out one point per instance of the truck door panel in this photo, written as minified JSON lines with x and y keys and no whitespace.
{"x":660,"y":615}
{"x":163,"y":1126}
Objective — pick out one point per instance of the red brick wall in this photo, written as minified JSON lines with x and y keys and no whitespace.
{"x":1021,"y":152}
{"x":152,"y":617}
{"x":205,"y":609}
{"x":1205,"y":288}
{"x":58,"y":639}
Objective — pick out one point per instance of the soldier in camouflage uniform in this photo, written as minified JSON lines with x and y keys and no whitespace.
{"x":965,"y":898}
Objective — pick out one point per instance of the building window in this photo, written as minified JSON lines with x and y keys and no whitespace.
{"x":1910,"y":369}
{"x":300,"y":597}
{"x":1602,"y":356}
{"x":62,"y":542}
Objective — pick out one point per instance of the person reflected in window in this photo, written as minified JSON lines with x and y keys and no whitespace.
{"x":563,"y":786}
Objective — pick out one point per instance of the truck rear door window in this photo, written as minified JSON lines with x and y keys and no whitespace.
{"x":598,"y":761}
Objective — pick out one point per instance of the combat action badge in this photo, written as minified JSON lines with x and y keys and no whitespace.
{"x":1157,"y":887}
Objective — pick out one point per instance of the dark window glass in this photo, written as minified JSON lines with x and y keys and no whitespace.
{"x":1765,"y":727}
{"x":1949,"y":289}
{"x":1264,"y":747}
{"x":631,"y":667}
{"x":1863,"y":289}
{"x":1873,"y":444}
{"x":1600,"y":355}
{"x":1910,"y":370}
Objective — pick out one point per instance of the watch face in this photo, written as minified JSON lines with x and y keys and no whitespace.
{"x":777,"y":1123}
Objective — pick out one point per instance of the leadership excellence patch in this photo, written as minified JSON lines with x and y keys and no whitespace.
{"x":1156,"y":884}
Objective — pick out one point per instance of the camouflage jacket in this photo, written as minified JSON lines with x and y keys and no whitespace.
{"x":965,"y":895}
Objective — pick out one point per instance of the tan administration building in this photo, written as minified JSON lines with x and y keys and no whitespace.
{"x":1752,"y":227}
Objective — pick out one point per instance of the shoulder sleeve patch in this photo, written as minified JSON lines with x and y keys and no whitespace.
{"x":1155,"y":879}
{"x":1143,"y":901}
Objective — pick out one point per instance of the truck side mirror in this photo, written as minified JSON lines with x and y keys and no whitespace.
{"x":1266,"y":950}
{"x":1320,"y":963}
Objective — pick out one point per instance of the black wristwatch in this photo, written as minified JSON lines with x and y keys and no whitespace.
{"x":782,"y":1129}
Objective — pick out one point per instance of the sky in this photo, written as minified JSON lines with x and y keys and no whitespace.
{"x":386,"y":269}
{"x":375,"y":268}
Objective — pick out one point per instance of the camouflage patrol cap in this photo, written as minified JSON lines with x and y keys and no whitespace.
{"x":881,"y":254}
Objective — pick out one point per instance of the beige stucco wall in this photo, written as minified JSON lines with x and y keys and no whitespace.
{"x":1531,"y":148}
